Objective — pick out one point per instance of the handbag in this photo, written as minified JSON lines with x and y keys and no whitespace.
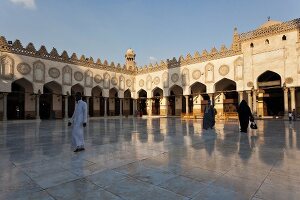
{"x":253,"y":125}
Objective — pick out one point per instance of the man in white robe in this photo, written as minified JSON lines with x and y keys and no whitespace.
{"x":79,"y":120}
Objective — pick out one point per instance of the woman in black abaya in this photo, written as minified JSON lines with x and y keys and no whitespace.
{"x":244,"y":116}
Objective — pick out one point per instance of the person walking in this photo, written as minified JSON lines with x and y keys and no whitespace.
{"x":294,"y":115}
{"x":209,"y":116}
{"x":79,"y":120}
{"x":245,"y":115}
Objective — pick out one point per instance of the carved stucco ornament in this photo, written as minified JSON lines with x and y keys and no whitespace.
{"x":250,"y":84}
{"x":23,"y":68}
{"x":289,"y":80}
{"x":78,"y":76}
{"x":98,"y":79}
{"x":114,"y":81}
{"x":223,"y":70}
{"x":156,"y":80}
{"x":128,"y":83}
{"x":174,"y":77}
{"x":196,"y":74}
{"x":141,"y":83}
{"x":54,"y":72}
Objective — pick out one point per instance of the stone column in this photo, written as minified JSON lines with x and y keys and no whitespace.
{"x":254,"y":106}
{"x":88,"y":105}
{"x":121,"y":105}
{"x":241,"y":96}
{"x":66,"y":107}
{"x":37,"y":101}
{"x":4,"y":106}
{"x":186,"y":104}
{"x":197,"y":104}
{"x":134,"y":108}
{"x":149,"y":106}
{"x":293,"y":99}
{"x":249,"y":100}
{"x":286,"y":101}
{"x":105,"y":106}
{"x":211,"y":95}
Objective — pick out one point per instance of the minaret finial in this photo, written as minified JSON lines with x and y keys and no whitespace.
{"x":269,"y":18}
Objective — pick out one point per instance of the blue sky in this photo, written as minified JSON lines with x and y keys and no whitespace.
{"x":155,"y":29}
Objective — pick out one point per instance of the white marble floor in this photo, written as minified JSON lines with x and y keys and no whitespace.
{"x":158,"y":158}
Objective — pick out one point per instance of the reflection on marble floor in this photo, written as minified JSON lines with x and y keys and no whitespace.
{"x":161,"y":158}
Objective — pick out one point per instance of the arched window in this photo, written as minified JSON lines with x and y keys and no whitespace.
{"x":251,"y":45}
{"x":267,"y":41}
{"x":283,"y":37}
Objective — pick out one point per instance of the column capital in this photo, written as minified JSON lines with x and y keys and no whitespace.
{"x":248,"y":91}
{"x":292,"y":89}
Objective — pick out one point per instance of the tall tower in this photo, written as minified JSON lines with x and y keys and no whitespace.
{"x":130,"y":59}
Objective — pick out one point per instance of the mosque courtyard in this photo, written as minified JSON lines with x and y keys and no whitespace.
{"x":150,"y":158}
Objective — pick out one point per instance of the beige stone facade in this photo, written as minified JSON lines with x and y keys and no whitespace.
{"x":261,"y":66}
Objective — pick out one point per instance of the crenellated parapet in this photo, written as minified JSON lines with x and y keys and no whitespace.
{"x":17,"y":48}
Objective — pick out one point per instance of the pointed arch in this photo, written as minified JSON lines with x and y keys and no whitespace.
{"x":77,"y":88}
{"x":225,"y":85}
{"x":97,"y":91}
{"x":175,"y":90}
{"x":54,"y":87}
{"x":127,"y":93}
{"x":269,"y":79}
{"x":113,"y":92}
{"x":197,"y":88}
{"x":157,"y":91}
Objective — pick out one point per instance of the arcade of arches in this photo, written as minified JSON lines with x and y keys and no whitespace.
{"x":270,"y":99}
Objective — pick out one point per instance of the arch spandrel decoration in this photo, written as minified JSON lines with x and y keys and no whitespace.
{"x":165,"y":78}
{"x":149,"y":82}
{"x":185,"y":77}
{"x":209,"y":73}
{"x":67,"y":75}
{"x":54,"y":72}
{"x":88,"y":79}
{"x":24,"y":68}
{"x":106,"y":83}
{"x":98,"y":79}
{"x":7,"y":67}
{"x":78,"y":76}
{"x":238,"y":69}
{"x":122,"y":83}
{"x":224,"y":70}
{"x":196,"y":74}
{"x":39,"y":72}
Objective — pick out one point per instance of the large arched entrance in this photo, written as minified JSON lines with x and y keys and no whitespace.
{"x":142,"y":102}
{"x":114,"y":102}
{"x":270,"y":101}
{"x":157,"y":95}
{"x":198,"y":98}
{"x":71,"y":100}
{"x":96,"y":102}
{"x":51,"y":101}
{"x":226,"y":96}
{"x":21,"y":101}
{"x":176,"y":100}
{"x":128,"y":103}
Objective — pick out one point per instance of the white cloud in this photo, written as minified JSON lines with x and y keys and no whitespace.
{"x":30,"y":4}
{"x":153,"y":59}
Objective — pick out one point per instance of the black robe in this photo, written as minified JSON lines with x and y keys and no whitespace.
{"x":244,"y":115}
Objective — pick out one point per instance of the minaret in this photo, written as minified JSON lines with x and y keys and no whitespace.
{"x":130,"y":59}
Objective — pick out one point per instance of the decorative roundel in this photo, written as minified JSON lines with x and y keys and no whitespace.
{"x":289,"y":80}
{"x":23,"y":68}
{"x":156,"y":80}
{"x":141,"y":83}
{"x":224,"y":70}
{"x":54,"y":72}
{"x":98,"y":79}
{"x":78,"y":76}
{"x":174,"y":77}
{"x":250,"y":84}
{"x":114,"y":81}
{"x":196,"y":74}
{"x":128,"y":83}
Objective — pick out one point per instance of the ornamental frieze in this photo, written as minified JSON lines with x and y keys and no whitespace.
{"x":289,"y":80}
{"x":156,"y":80}
{"x":23,"y":68}
{"x":78,"y":76}
{"x":141,"y":83}
{"x":38,"y":72}
{"x":114,"y":81}
{"x":53,"y":72}
{"x":128,"y":83}
{"x":250,"y":84}
{"x":98,"y":79}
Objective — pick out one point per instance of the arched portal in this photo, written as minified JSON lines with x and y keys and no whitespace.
{"x":198,"y":98}
{"x":157,"y":95}
{"x":21,"y":100}
{"x":226,"y":96}
{"x":176,"y":100}
{"x":270,"y":101}
{"x":71,"y":100}
{"x":96,"y":102}
{"x":51,"y":101}
{"x":114,"y":102}
{"x":128,"y":103}
{"x":142,"y":106}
